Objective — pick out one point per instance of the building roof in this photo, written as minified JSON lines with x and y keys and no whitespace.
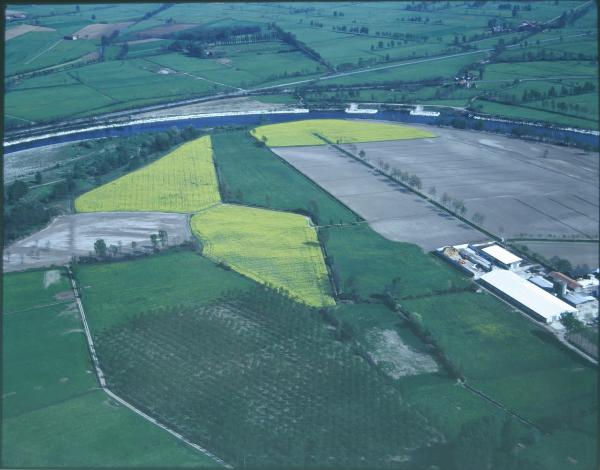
{"x":540,"y":281}
{"x":527,"y":294}
{"x":500,"y":254}
{"x":571,"y":283}
{"x":577,"y":299}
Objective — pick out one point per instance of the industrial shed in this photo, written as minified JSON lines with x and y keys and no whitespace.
{"x":501,"y":256}
{"x":540,"y":304}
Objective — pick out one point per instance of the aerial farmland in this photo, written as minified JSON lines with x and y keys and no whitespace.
{"x":302,"y":235}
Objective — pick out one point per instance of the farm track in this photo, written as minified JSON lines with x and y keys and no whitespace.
{"x":102,"y":381}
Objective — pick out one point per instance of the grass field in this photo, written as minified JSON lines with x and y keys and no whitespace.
{"x":182,"y":181}
{"x":380,"y":261}
{"x":50,"y":397}
{"x":337,"y":130}
{"x":254,"y":175}
{"x":144,"y":284}
{"x":517,"y":362}
{"x":36,"y":50}
{"x":275,"y":248}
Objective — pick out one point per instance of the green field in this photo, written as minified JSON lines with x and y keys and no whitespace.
{"x":336,"y":130}
{"x":333,"y":38}
{"x":39,"y":49}
{"x":141,"y":285}
{"x":254,"y":175}
{"x":182,"y":181}
{"x":275,"y":248}
{"x":379,"y":262}
{"x":50,"y":395}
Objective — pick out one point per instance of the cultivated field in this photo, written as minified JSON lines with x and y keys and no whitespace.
{"x":275,"y":248}
{"x":390,"y":209}
{"x":335,"y":130}
{"x":182,"y":181}
{"x":22,"y":29}
{"x":523,"y":189}
{"x":75,"y":234}
{"x":260,"y":381}
{"x":144,"y":284}
{"x":576,"y":253}
{"x":96,"y":31}
{"x":254,"y":175}
{"x":50,"y":397}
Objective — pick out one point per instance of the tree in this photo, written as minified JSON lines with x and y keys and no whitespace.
{"x":361,"y":154}
{"x":133,"y":245}
{"x":445,"y":198}
{"x":432,"y":191}
{"x":93,"y":17}
{"x":154,"y":241}
{"x":16,"y":191}
{"x":100,"y":248}
{"x":164,"y":238}
{"x":478,"y":218}
{"x":38,"y":178}
{"x":572,"y":324}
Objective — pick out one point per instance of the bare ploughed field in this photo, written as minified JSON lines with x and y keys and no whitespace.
{"x":524,"y":189}
{"x":391,"y":210}
{"x":96,"y":31}
{"x":75,"y":234}
{"x":22,"y":29}
{"x":165,"y":30}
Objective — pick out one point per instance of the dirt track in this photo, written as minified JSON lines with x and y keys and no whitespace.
{"x":75,"y":234}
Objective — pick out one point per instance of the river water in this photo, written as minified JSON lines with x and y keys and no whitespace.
{"x":552,"y":134}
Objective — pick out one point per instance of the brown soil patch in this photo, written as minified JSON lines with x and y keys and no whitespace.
{"x":142,"y":41}
{"x":96,"y":31}
{"x":166,"y":30}
{"x":22,"y":29}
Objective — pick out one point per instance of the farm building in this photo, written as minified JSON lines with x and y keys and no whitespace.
{"x":501,"y":256}
{"x":541,"y":282}
{"x":540,"y":304}
{"x":564,"y":280}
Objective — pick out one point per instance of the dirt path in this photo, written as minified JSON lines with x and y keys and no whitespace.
{"x":43,"y":52}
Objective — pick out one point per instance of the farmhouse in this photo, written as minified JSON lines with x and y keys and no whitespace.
{"x":540,"y":304}
{"x":563,"y":279}
{"x":501,"y":256}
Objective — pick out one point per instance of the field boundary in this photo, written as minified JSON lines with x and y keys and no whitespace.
{"x":103,"y":386}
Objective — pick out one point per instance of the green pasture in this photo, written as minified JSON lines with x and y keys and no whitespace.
{"x":517,"y":363}
{"x":518,"y":112}
{"x":380,"y":261}
{"x":148,"y":283}
{"x":50,"y":395}
{"x":92,"y":430}
{"x":254,"y":175}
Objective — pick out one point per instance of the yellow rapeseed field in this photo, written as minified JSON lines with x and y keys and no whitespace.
{"x":182,"y":181}
{"x":276,"y":248}
{"x":296,"y":133}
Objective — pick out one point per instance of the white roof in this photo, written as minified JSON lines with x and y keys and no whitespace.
{"x":502,"y":255}
{"x":527,"y":293}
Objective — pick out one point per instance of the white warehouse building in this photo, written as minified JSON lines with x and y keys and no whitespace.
{"x":537,"y":302}
{"x":501,"y":256}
